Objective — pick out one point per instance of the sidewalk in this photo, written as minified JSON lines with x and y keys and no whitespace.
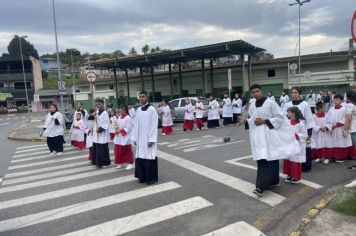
{"x":30,"y":129}
{"x":324,"y":220}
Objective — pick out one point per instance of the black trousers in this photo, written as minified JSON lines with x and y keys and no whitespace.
{"x":307,"y":165}
{"x":267,"y":173}
{"x":213,"y":123}
{"x":55,"y":144}
{"x":227,"y":121}
{"x":101,"y":156}
{"x":235,"y":118}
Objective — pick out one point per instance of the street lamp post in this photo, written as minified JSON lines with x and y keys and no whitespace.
{"x":299,"y":3}
{"x":23,"y":70}
{"x":59,"y":67}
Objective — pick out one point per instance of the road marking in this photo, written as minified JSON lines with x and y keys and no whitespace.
{"x":62,"y":212}
{"x":217,"y":140}
{"x":243,"y":186}
{"x":64,"y":192}
{"x":240,"y":228}
{"x":303,"y":181}
{"x":40,"y":152}
{"x":76,"y":151}
{"x":40,"y":148}
{"x":4,"y":124}
{"x":47,"y":175}
{"x":143,"y":219}
{"x":38,"y":145}
{"x":33,"y":121}
{"x":52,"y":161}
{"x":202,"y":147}
{"x":107,"y":170}
{"x":57,"y":167}
{"x":188,"y":141}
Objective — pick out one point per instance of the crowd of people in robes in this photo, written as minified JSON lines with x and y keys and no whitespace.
{"x":318,"y":129}
{"x":94,"y":130}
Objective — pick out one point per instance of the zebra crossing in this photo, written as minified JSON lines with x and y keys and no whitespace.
{"x":41,"y":189}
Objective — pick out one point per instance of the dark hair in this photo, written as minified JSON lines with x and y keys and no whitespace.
{"x":91,"y":111}
{"x":255,"y":86}
{"x":319,"y":105}
{"x":298,"y":89}
{"x":338,"y":96}
{"x":298,"y":114}
{"x":99,"y":100}
{"x":125,"y":108}
{"x":271,"y":93}
{"x":55,"y":106}
{"x":227,"y":93}
{"x":144,"y":92}
{"x":351,"y":95}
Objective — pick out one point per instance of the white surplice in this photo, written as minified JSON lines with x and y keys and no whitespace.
{"x":227,"y":107}
{"x":89,"y":132}
{"x":335,"y":116}
{"x":213,"y":110}
{"x":166,"y":116}
{"x":188,"y":112}
{"x":77,"y":134}
{"x":321,"y":139}
{"x":199,"y":110}
{"x":123,"y":123}
{"x":283,"y":100}
{"x":53,"y":130}
{"x":237,"y":106}
{"x":302,"y":134}
{"x":113,"y":122}
{"x":145,"y":131}
{"x":270,"y":144}
{"x":102,"y":121}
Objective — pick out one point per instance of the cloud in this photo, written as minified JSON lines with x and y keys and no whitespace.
{"x":108,"y":25}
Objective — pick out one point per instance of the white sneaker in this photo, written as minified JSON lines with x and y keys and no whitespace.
{"x":120,"y":166}
{"x":197,"y":129}
{"x":203,"y":128}
{"x":339,"y":161}
{"x":163,"y":134}
{"x":130,"y":167}
{"x":317,"y":160}
{"x":326,"y":161}
{"x":52,"y":153}
{"x":59,"y":153}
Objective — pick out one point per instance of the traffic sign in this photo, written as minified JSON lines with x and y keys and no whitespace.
{"x":353,"y":27}
{"x":293,"y":67}
{"x":62,"y":87}
{"x":90,"y":76}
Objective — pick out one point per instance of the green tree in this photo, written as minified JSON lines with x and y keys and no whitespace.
{"x":118,"y":54}
{"x":145,"y":49}
{"x":132,"y":51}
{"x":73,"y":51}
{"x":259,"y":56}
{"x":27,"y":48}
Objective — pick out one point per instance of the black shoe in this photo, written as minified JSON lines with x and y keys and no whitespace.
{"x":151,"y":182}
{"x":288,"y":179}
{"x":258,"y":192}
{"x":294,"y":181}
{"x":352,"y":167}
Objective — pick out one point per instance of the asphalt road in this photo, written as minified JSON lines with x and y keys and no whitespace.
{"x":204,"y":185}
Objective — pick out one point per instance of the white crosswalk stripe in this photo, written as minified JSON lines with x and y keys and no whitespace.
{"x":40,"y":152}
{"x":133,"y":222}
{"x":45,"y":156}
{"x":38,"y":148}
{"x":62,"y":212}
{"x":236,"y":229}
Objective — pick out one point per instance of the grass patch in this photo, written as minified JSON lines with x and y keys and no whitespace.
{"x":52,"y":82}
{"x":347,"y":205}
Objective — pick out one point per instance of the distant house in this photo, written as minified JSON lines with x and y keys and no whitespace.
{"x":49,"y":64}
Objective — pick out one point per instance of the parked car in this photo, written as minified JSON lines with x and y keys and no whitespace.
{"x":179,"y":103}
{"x":156,"y":104}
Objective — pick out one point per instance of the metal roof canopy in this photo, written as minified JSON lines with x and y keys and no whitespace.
{"x":217,"y":50}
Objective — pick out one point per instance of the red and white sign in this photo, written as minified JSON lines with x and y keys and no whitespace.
{"x":90,"y":76}
{"x":353,"y":27}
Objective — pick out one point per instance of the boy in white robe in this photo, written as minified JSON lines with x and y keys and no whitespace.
{"x":227,"y":109}
{"x":53,"y":130}
{"x":322,"y":141}
{"x":188,"y":116}
{"x":199,"y":113}
{"x":144,"y":137}
{"x":89,"y":132}
{"x":213,"y":115}
{"x":167,"y":122}
{"x":236,"y":108}
{"x":270,"y":96}
{"x":341,"y":137}
{"x":283,"y":100}
{"x":113,"y":121}
{"x":101,"y":136}
{"x":123,"y":150}
{"x":292,"y":166}
{"x":304,"y":107}
{"x":270,"y":137}
{"x":77,"y":131}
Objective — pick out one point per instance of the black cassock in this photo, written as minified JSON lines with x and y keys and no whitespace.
{"x":146,"y":170}
{"x":267,"y":174}
{"x":101,"y":156}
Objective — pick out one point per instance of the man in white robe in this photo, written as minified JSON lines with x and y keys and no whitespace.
{"x":53,"y":130}
{"x":213,"y":114}
{"x":271,"y":138}
{"x":144,"y":137}
{"x":227,"y":109}
{"x":101,"y":136}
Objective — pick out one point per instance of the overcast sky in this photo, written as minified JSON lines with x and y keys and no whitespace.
{"x":108,"y":25}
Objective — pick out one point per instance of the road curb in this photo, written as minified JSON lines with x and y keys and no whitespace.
{"x":26,"y":139}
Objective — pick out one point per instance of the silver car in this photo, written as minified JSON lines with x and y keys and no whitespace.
{"x":179,"y":103}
